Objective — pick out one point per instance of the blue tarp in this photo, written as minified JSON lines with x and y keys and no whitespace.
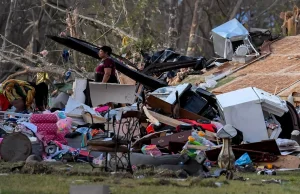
{"x":231,"y":29}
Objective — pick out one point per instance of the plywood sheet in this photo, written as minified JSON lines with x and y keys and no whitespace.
{"x":102,"y":93}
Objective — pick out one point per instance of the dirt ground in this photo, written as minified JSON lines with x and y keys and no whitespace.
{"x":58,"y":178}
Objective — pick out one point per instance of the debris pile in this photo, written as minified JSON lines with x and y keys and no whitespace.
{"x":183,"y":129}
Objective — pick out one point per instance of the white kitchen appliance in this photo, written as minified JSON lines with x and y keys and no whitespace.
{"x":244,"y":109}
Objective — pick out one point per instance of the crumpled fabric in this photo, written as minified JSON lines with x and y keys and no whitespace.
{"x":286,"y":142}
{"x":85,"y":135}
{"x":17,"y":89}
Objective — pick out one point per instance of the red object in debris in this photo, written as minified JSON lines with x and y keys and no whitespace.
{"x":150,"y":129}
{"x":208,"y":127}
{"x":4,"y":103}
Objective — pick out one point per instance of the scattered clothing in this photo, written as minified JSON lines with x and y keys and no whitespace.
{"x":4,"y":103}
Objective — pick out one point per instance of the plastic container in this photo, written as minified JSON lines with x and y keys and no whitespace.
{"x":202,"y":140}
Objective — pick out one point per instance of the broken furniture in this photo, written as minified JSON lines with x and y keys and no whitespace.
{"x":165,"y":107}
{"x":231,"y":41}
{"x":119,"y":146}
{"x":260,"y":151}
{"x":246,"y":109}
{"x":180,"y":137}
{"x":190,"y":101}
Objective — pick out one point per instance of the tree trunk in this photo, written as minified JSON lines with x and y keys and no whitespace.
{"x":180,"y":23}
{"x":172,"y":32}
{"x":235,"y":9}
{"x":36,"y":45}
{"x":76,"y":31}
{"x":8,"y":22}
{"x":7,"y":68}
{"x":72,"y":20}
{"x":192,"y":38}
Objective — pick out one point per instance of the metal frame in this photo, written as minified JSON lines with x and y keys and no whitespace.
{"x":129,"y":124}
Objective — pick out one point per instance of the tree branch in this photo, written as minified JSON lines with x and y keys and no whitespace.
{"x":17,"y":74}
{"x":258,"y":16}
{"x":96,"y":21}
{"x":8,"y":22}
{"x":235,"y":9}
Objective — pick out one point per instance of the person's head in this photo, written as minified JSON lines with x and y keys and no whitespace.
{"x":19,"y":104}
{"x":104,"y":52}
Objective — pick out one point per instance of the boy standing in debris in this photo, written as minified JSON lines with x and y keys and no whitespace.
{"x":106,"y":70}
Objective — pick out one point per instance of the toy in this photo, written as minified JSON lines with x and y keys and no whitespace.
{"x":201,"y":134}
{"x":60,"y":114}
{"x":64,"y":125}
{"x":192,"y":141}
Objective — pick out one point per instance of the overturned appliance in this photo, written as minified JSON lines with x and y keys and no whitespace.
{"x":257,"y":114}
{"x":199,"y":101}
{"x":231,"y":41}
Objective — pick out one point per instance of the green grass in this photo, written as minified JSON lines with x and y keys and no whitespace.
{"x":224,"y":81}
{"x":60,"y":181}
{"x":193,"y":79}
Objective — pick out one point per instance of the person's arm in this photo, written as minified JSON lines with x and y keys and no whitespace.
{"x":107,"y":73}
{"x":54,"y":92}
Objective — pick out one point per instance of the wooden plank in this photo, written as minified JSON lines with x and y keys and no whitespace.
{"x":166,"y":120}
{"x":284,"y":162}
{"x":150,"y":119}
{"x":157,"y":103}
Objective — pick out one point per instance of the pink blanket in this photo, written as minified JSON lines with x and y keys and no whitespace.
{"x":47,"y":127}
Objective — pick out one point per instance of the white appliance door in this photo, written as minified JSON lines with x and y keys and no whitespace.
{"x":271,"y":103}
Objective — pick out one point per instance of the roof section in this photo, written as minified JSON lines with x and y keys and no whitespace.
{"x":278,"y":73}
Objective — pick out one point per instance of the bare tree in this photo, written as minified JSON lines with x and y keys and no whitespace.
{"x":192,"y":38}
{"x":8,"y":22}
{"x":172,"y":32}
{"x":235,"y":9}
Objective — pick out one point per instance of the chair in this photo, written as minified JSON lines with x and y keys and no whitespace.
{"x":120,"y":143}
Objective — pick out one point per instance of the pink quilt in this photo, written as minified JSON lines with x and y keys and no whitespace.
{"x":46,"y":125}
